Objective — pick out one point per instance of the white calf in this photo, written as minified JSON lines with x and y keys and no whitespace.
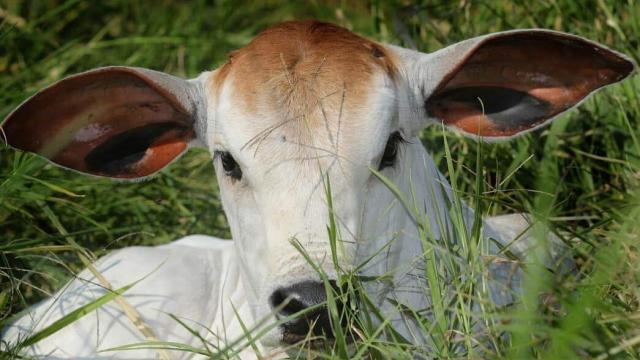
{"x":304,"y":105}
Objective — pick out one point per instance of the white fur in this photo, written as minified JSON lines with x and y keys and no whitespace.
{"x":194,"y":278}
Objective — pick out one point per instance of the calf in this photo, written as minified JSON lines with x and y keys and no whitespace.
{"x":308,"y":125}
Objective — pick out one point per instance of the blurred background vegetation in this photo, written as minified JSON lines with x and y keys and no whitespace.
{"x":586,"y":166}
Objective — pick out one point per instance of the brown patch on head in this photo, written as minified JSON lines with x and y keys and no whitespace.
{"x":304,"y":69}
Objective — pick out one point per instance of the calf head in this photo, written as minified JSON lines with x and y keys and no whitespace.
{"x":305,"y":107}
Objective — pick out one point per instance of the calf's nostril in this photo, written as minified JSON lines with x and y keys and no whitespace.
{"x":297,"y":298}
{"x":287,"y":303}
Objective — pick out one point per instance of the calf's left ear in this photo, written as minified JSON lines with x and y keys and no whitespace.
{"x":118,"y":122}
{"x":503,"y":84}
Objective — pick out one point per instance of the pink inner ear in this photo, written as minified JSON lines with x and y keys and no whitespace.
{"x":522,"y":80}
{"x":109,"y":122}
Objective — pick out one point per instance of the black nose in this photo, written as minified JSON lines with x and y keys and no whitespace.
{"x":297,"y":297}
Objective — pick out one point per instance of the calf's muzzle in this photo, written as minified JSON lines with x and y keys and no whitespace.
{"x":296,"y":298}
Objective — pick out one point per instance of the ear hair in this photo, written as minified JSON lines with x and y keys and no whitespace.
{"x":119,"y":122}
{"x":504,"y":84}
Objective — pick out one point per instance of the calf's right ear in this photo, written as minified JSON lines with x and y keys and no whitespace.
{"x":118,"y":122}
{"x":503,"y":84}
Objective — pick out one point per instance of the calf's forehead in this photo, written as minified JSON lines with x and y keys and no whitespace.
{"x":305,"y":83}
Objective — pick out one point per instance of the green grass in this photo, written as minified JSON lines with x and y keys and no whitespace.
{"x":580,"y":176}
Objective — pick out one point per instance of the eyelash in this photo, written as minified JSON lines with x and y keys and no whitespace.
{"x":229,"y":165}
{"x":391,"y":150}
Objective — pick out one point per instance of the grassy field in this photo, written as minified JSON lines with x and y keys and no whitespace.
{"x":582,"y":174}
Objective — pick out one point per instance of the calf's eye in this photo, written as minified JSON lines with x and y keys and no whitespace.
{"x":391,"y":150}
{"x":229,"y":164}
